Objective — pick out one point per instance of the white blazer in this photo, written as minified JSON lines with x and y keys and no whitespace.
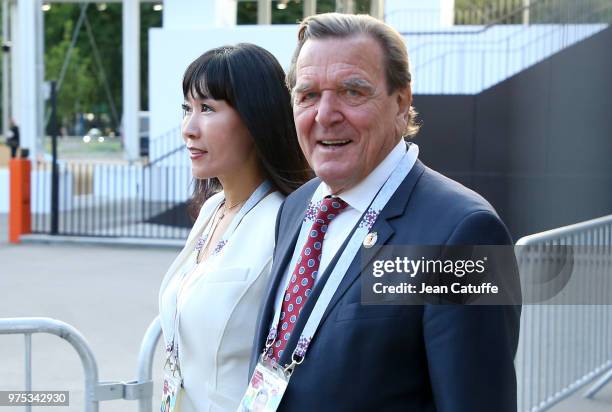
{"x":218,"y":311}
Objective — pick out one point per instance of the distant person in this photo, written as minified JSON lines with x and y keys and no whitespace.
{"x":239,"y":132}
{"x":352,"y":105}
{"x":13,"y":138}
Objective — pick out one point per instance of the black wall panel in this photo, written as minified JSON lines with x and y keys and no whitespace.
{"x":538,"y":146}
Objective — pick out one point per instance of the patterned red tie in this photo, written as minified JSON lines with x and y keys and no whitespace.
{"x":305,"y":272}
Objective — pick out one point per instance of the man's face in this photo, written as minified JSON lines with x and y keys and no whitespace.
{"x":346,"y":122}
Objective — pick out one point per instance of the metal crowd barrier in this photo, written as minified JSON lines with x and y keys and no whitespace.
{"x":563,"y":347}
{"x":95,"y":391}
{"x":145,"y":362}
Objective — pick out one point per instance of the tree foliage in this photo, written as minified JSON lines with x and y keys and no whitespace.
{"x":78,"y":91}
{"x":84,"y":88}
{"x":247,"y":10}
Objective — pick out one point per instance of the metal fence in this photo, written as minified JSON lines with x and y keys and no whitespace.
{"x":144,"y":199}
{"x":112,"y":200}
{"x":563,"y":347}
{"x":469,"y":59}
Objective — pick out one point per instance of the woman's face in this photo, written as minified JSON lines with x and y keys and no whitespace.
{"x":219,"y":143}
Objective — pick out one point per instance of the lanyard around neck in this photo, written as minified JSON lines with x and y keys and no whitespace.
{"x":256,"y":197}
{"x":366,"y":222}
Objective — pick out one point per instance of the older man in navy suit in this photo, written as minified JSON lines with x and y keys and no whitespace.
{"x":352,"y":101}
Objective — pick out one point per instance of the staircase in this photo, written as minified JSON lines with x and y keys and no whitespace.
{"x":469,"y":59}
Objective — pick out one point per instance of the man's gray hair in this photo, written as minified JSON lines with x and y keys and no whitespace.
{"x":337,"y":25}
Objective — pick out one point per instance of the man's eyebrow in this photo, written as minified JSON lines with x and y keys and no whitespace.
{"x":302,"y":87}
{"x":357,"y":84}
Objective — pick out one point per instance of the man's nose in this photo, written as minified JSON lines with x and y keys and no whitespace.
{"x":328,"y":112}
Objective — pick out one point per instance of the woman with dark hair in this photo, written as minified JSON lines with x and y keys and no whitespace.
{"x":239,"y":131}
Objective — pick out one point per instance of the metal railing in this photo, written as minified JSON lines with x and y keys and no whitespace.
{"x":470,"y":59}
{"x":113,"y":200}
{"x":117,"y":199}
{"x":563,"y":347}
{"x":146,"y":357}
{"x":30,"y":326}
{"x":166,"y":146}
{"x":95,"y":391}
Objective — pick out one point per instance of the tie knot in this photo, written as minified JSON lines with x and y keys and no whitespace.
{"x":329,"y":208}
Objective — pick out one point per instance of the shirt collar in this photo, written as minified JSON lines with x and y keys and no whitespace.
{"x":361,"y":195}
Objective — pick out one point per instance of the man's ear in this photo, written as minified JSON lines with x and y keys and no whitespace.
{"x":404,"y":102}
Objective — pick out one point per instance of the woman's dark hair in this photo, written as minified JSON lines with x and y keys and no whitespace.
{"x":250,"y":79}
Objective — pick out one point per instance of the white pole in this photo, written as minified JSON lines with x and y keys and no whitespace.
{"x":526,"y":4}
{"x":264,"y":11}
{"x":345,"y":6}
{"x":6,"y":53}
{"x":40,"y":78}
{"x":377,"y":9}
{"x":25,"y":63}
{"x":310,"y":8}
{"x":131,"y":78}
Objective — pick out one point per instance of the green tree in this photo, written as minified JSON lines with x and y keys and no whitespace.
{"x":77,"y":93}
{"x":292,"y":13}
{"x":105,"y":23}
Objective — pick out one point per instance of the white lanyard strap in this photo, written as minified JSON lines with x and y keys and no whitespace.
{"x":256,"y":197}
{"x":364,"y":225}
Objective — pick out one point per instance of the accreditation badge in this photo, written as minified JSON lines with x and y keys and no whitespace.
{"x":266,"y":388}
{"x":171,"y":394}
{"x":173,"y":383}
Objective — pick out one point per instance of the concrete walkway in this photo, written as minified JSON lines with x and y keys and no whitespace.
{"x":108,"y":293}
{"x":576,"y":403}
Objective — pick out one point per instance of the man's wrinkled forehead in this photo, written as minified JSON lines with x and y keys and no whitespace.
{"x":356,"y":57}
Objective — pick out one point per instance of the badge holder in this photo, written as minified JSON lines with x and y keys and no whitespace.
{"x":268,"y":384}
{"x":173,"y":384}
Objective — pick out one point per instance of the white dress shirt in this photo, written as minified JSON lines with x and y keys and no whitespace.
{"x":358,"y":199}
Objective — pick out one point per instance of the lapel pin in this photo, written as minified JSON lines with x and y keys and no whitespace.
{"x":370,"y":240}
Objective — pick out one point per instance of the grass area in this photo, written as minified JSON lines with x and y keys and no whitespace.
{"x":75,"y":147}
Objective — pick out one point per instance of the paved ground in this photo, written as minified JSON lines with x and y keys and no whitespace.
{"x":576,"y":403}
{"x":110,"y":295}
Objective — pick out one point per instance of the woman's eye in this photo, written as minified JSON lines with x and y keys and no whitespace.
{"x":206,"y":108}
{"x":186,"y":109}
{"x":352,"y":93}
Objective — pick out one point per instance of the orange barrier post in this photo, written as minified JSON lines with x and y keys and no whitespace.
{"x":20,"y":217}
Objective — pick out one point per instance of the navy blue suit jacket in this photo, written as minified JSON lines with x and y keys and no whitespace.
{"x":445,"y":358}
